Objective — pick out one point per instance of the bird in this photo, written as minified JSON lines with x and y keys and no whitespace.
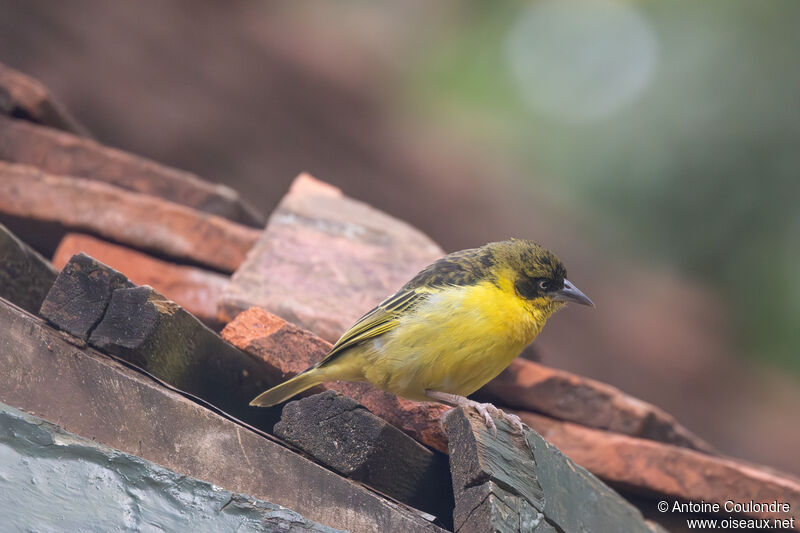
{"x":451,"y":329}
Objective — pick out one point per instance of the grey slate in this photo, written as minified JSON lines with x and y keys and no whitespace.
{"x":57,"y":481}
{"x":513,"y":479}
{"x":345,"y":436}
{"x":98,"y":304}
{"x":79,"y":297}
{"x":25,"y":276}
{"x":144,"y":328}
{"x":487,"y":507}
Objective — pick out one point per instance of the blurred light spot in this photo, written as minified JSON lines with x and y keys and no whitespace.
{"x":581,"y":60}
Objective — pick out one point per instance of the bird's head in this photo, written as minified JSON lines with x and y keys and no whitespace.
{"x":537,"y":276}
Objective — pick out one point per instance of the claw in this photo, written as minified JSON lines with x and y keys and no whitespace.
{"x":489,"y":412}
{"x":515,"y":422}
{"x":483,"y":410}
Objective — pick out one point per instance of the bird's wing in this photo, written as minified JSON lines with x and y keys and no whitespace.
{"x":378,"y":321}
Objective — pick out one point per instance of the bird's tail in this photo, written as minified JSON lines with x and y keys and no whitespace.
{"x":287,"y":389}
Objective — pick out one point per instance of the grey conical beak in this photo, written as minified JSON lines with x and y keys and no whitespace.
{"x":571,"y":293}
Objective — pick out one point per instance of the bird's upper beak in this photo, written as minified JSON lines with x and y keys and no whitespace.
{"x":571,"y":293}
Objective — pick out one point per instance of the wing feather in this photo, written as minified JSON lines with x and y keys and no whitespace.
{"x":378,"y":321}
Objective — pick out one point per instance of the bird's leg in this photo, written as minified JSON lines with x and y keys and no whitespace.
{"x":486,"y":410}
{"x":454,"y":400}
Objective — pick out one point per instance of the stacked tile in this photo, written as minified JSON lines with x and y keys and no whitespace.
{"x":24,"y":97}
{"x":40,"y":206}
{"x":55,"y":179}
{"x":325,"y":259}
{"x":195,"y":289}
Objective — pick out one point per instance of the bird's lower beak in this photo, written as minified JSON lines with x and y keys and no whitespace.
{"x":571,"y":293}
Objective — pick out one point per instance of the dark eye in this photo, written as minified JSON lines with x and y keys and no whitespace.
{"x":544,"y":285}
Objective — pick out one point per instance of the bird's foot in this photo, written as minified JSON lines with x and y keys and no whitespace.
{"x":515,"y":422}
{"x":486,"y":410}
{"x":490,"y":412}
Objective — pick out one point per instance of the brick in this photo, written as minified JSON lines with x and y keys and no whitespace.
{"x":326,"y":259}
{"x":24,"y":97}
{"x":146,"y":329}
{"x":487,"y":507}
{"x":99,"y":305}
{"x":61,"y":153}
{"x":530,"y":386}
{"x":141,"y":221}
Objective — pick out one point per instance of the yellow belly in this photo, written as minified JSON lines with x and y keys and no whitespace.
{"x":455,"y":342}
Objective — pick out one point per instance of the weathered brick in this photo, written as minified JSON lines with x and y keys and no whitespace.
{"x":533,"y":387}
{"x":24,"y":97}
{"x":134,"y":219}
{"x":326,"y":259}
{"x":65,"y":154}
{"x":80,"y":295}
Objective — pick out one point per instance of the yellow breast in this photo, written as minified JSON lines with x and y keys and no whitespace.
{"x":455,"y":341}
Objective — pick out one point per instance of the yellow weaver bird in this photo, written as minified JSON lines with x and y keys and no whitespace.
{"x":450,"y":330}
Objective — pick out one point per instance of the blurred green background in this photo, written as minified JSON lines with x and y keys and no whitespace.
{"x":676,"y":122}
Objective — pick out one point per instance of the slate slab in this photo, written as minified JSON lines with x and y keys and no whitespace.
{"x":25,"y":276}
{"x":347,"y":437}
{"x":99,"y":488}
